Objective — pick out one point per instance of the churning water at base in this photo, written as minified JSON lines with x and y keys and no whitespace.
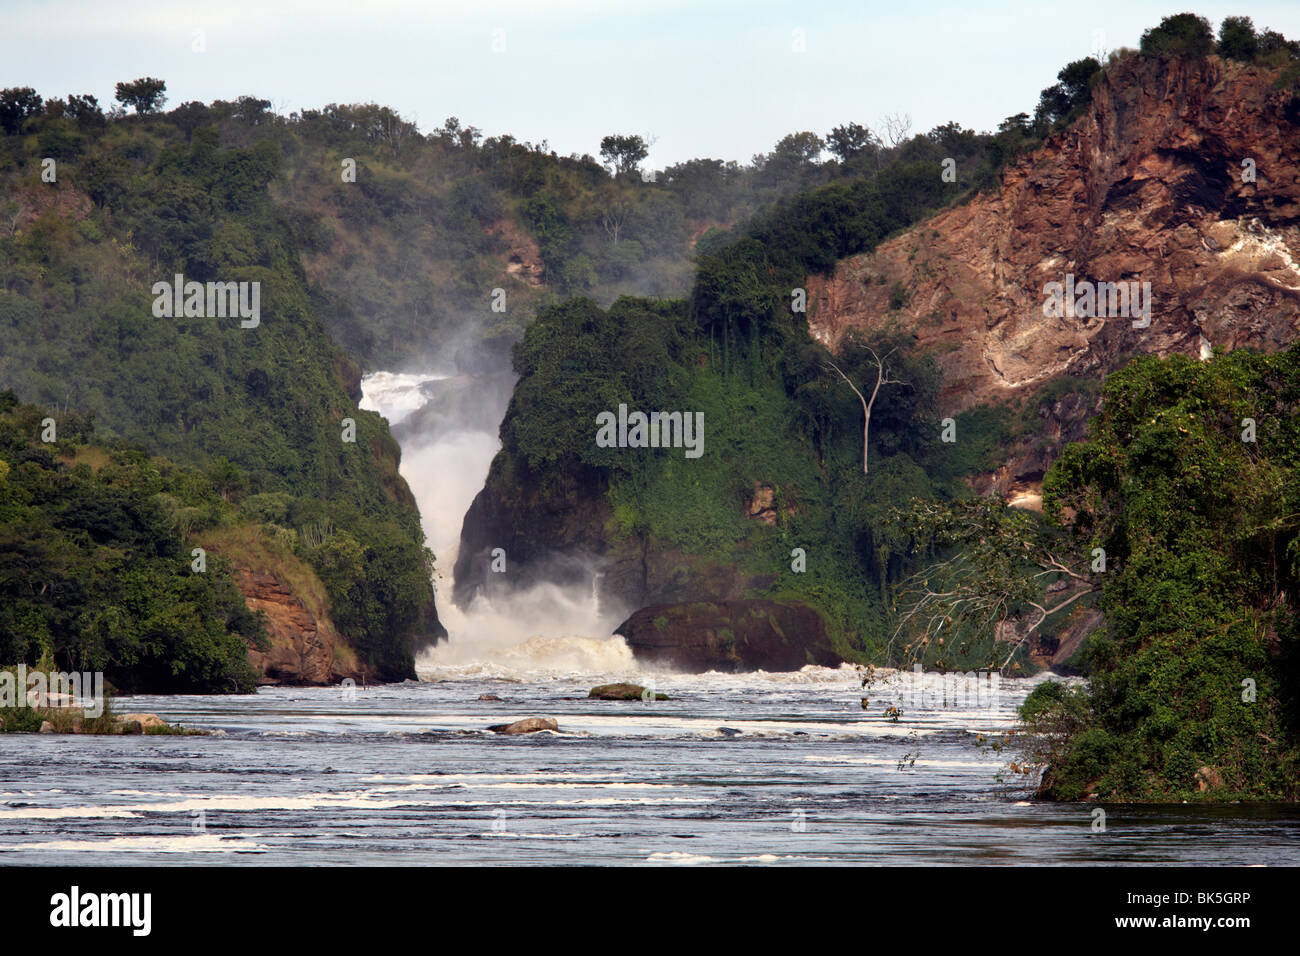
{"x":755,"y":769}
{"x":542,"y":631}
{"x":781,"y":769}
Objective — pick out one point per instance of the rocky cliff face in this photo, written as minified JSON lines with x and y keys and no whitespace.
{"x":1148,"y":187}
{"x":524,"y":258}
{"x":561,"y":536}
{"x":305,"y":648}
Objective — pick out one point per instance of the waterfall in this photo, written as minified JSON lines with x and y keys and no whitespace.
{"x":542,"y":631}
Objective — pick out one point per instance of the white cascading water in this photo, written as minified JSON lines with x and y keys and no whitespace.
{"x":542,"y":632}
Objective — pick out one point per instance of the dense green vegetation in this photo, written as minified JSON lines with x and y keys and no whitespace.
{"x":95,"y":572}
{"x":1186,"y":34}
{"x":1197,"y":527}
{"x":795,"y":428}
{"x":263,"y":409}
{"x":405,"y":235}
{"x":1190,"y":481}
{"x":773,"y":415}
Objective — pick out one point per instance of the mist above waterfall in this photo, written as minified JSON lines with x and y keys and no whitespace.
{"x":447,"y":425}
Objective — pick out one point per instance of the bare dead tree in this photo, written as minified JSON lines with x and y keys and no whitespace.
{"x":1001,"y":561}
{"x":882,"y":378}
{"x":394,"y":130}
{"x":897,"y":126}
{"x":970,"y":592}
{"x":612,"y":220}
{"x":13,"y":212}
{"x":614,"y":214}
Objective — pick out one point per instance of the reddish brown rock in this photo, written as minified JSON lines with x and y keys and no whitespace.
{"x":305,"y":649}
{"x":1146,"y":187}
{"x":524,"y":258}
{"x":63,"y":203}
{"x":529,"y":725}
{"x":761,"y":506}
{"x":1207,"y":778}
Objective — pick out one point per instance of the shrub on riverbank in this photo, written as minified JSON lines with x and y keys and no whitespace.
{"x":1190,"y":481}
{"x":61,"y":720}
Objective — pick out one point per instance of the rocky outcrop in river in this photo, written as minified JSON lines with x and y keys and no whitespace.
{"x":730,"y":636}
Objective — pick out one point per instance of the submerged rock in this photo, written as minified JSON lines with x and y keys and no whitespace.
{"x":625,"y":692}
{"x":529,"y":725}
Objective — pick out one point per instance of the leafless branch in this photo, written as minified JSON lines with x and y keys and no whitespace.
{"x":882,"y":378}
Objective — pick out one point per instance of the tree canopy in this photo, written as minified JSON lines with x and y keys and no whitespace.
{"x":1190,"y":482}
{"x":144,"y":95}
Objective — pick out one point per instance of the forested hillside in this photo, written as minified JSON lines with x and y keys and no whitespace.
{"x":405,"y":234}
{"x":265,"y":406}
{"x":356,"y":228}
{"x":94,"y":572}
{"x":880,"y":534}
{"x":783,"y":467}
{"x":410,"y":254}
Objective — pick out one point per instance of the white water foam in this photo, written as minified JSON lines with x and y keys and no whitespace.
{"x":202,"y":843}
{"x":395,"y":395}
{"x":540,"y":633}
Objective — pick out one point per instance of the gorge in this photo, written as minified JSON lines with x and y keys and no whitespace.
{"x":467,"y":314}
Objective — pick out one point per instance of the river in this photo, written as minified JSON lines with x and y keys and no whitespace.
{"x":762,"y":769}
{"x":754,"y":769}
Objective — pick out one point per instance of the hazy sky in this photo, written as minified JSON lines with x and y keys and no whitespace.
{"x":717,"y":78}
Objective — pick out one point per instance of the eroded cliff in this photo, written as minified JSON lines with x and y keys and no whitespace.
{"x":1153,"y":185}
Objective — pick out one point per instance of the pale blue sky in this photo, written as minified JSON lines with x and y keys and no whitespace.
{"x":716,"y":78}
